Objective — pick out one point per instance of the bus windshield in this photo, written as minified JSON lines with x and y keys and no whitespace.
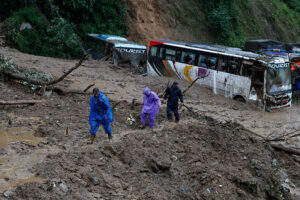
{"x":278,"y":80}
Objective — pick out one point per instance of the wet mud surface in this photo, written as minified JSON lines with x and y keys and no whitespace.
{"x":215,"y":154}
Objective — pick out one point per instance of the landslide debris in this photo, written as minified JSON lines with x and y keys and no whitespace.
{"x":198,"y":158}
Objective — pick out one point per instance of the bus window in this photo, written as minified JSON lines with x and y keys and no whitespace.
{"x":223,"y":65}
{"x":162,"y":53}
{"x":202,"y":61}
{"x":247,"y":70}
{"x":153,"y":51}
{"x":234,"y":67}
{"x":178,"y":55}
{"x":212,"y":62}
{"x":188,"y":58}
{"x":170,"y":54}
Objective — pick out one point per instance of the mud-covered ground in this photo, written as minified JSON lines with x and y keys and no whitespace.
{"x":212,"y":155}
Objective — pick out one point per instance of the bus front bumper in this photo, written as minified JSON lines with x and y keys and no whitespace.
{"x":279,"y":102}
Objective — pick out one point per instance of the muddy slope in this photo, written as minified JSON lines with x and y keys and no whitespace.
{"x":196,"y":159}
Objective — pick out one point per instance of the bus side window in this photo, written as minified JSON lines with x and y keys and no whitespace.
{"x":153,"y":51}
{"x":234,"y":67}
{"x":178,"y":55}
{"x":188,"y":58}
{"x":247,"y":70}
{"x":223,"y":65}
{"x":170,"y":54}
{"x":212,"y":62}
{"x":162,"y":53}
{"x":202,"y":61}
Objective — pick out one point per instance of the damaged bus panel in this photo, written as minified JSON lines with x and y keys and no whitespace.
{"x":259,"y":79}
{"x":119,"y":49}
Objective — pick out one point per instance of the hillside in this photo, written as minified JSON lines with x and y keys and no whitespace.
{"x":216,"y":21}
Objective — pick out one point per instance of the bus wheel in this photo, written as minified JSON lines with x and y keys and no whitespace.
{"x":239,"y":98}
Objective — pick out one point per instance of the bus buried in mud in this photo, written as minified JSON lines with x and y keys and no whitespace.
{"x":240,"y":75}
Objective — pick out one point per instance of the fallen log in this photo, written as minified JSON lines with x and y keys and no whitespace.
{"x":280,"y":147}
{"x":285,"y":136}
{"x":19,"y":102}
{"x":42,"y":83}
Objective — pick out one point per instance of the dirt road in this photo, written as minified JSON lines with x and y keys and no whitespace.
{"x":211,"y":156}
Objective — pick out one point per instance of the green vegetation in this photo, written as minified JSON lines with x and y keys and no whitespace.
{"x":7,"y":66}
{"x":232,"y":22}
{"x":51,"y":36}
{"x":45,"y":38}
{"x":227,"y":22}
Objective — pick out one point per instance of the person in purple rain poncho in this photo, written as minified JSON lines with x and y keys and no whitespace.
{"x":151,"y":106}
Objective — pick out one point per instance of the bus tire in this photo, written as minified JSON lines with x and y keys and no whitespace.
{"x":239,"y":98}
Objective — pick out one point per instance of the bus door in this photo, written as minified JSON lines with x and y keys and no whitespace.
{"x":224,"y":81}
{"x":247,"y":72}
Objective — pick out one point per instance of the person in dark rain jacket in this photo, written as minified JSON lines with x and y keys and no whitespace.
{"x":173,"y":94}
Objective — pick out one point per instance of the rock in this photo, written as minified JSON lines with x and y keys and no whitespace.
{"x":96,"y":195}
{"x":132,"y":163}
{"x":274,"y":163}
{"x":164,"y":165}
{"x":158,"y":165}
{"x":111,"y":150}
{"x":64,"y":187}
{"x":152,"y":165}
{"x":198,"y":163}
{"x":7,"y":194}
{"x":202,"y":178}
{"x":94,"y":180}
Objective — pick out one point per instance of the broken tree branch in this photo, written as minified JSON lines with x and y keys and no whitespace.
{"x":183,"y":93}
{"x":36,"y":82}
{"x":68,"y":72}
{"x":19,"y":102}
{"x":283,"y":138}
{"x":286,"y":149}
{"x":88,"y":87}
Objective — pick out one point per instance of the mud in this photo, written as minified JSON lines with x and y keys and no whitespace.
{"x":213,"y":155}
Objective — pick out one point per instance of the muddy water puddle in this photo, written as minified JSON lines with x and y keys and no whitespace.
{"x":17,"y":134}
{"x":18,"y":154}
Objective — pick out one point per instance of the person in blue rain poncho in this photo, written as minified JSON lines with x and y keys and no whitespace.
{"x":101,"y":114}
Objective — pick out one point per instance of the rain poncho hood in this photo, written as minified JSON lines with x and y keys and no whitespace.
{"x":151,"y":102}
{"x":100,"y":108}
{"x":173,"y":95}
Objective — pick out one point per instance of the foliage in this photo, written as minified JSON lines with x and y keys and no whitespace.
{"x":91,"y":16}
{"x":293,"y":4}
{"x":7,"y":66}
{"x":56,"y":38}
{"x":53,"y":39}
{"x":223,"y":21}
{"x":231,"y":22}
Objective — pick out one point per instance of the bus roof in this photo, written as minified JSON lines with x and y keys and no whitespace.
{"x":218,"y":49}
{"x":105,"y":37}
{"x":130,"y":45}
{"x":258,"y":45}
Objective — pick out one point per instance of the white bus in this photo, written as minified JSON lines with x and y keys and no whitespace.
{"x":236,"y":74}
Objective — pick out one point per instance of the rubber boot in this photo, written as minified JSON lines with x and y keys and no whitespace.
{"x":92,"y":139}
